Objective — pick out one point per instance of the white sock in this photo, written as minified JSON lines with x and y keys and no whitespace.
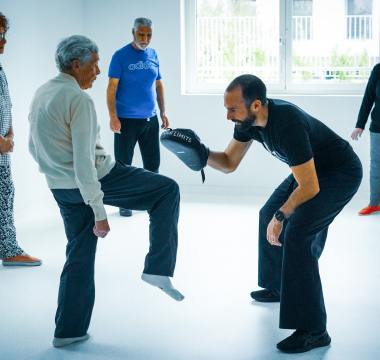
{"x":164,"y":283}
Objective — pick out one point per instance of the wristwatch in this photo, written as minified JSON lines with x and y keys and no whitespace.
{"x":279,"y":215}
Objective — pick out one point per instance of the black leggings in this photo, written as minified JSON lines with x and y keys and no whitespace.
{"x":145,"y":132}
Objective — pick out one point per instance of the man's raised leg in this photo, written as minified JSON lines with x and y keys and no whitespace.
{"x":139,"y":189}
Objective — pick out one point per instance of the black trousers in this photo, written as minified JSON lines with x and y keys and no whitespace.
{"x":145,"y":132}
{"x":293,"y":268}
{"x":128,"y":187}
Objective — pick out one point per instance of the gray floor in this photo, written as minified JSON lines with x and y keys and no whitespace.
{"x":216,"y":270}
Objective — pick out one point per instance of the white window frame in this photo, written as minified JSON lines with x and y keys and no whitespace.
{"x":189,"y":85}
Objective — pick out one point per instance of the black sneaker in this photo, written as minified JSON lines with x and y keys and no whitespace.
{"x":301,"y":341}
{"x":125,"y":212}
{"x":266,"y":295}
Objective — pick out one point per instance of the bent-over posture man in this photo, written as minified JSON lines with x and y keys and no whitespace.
{"x":64,"y":140}
{"x":326,"y":173}
{"x":134,"y":86}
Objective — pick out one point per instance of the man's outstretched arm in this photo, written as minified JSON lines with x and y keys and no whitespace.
{"x":230,"y":159}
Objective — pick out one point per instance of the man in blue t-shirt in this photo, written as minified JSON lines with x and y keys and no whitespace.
{"x":134,"y":85}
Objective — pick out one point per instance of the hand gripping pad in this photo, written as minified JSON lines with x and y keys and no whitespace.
{"x":187,"y":146}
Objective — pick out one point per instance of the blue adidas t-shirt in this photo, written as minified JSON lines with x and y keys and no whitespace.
{"x":137,"y":71}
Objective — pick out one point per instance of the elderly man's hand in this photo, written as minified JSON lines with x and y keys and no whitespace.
{"x":115,"y":124}
{"x":6,"y":145}
{"x":165,"y":121}
{"x":101,"y":228}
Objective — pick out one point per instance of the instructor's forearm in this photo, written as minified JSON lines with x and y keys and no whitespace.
{"x":111,"y":101}
{"x":297,"y":198}
{"x":219,"y":161}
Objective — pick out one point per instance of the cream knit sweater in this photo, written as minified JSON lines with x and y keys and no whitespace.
{"x":64,"y":140}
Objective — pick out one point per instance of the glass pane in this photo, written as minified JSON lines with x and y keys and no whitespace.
{"x":237,"y":37}
{"x":340,"y":45}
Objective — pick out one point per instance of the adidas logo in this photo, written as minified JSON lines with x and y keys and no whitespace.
{"x":140,"y":65}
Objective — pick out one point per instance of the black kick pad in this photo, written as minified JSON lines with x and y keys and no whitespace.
{"x":186,"y":145}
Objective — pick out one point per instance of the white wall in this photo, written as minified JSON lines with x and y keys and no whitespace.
{"x":36,"y":27}
{"x":28,"y":61}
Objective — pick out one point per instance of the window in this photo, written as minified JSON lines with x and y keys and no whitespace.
{"x":234,"y":38}
{"x":302,"y":20}
{"x":294,"y":46}
{"x":359,"y":19}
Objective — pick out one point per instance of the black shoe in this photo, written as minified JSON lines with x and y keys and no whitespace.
{"x":125,"y":212}
{"x":266,"y":295}
{"x":301,"y":341}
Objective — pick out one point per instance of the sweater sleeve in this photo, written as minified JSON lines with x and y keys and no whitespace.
{"x":32,"y":147}
{"x":84,"y":133}
{"x":369,"y":97}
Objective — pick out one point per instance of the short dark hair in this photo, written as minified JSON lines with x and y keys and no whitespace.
{"x":4,"y":22}
{"x":252,"y":88}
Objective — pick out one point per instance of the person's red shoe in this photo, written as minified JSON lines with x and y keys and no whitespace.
{"x":22,"y":260}
{"x":369,"y":210}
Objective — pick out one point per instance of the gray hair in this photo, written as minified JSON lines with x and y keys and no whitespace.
{"x":76,"y":47}
{"x":143,"y":22}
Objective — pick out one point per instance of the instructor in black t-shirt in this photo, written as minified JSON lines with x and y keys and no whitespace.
{"x":326,"y":173}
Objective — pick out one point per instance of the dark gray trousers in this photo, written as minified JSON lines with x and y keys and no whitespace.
{"x":375,"y":170}
{"x":127,"y":187}
{"x":293,"y":268}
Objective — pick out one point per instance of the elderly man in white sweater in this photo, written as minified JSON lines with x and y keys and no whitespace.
{"x":64,"y":140}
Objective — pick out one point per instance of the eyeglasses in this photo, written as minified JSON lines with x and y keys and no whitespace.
{"x":2,"y":36}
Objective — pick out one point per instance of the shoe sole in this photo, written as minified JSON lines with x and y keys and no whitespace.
{"x":21,"y":263}
{"x":267,"y":300}
{"x":271,"y":299}
{"x":317,"y":344}
{"x":57,"y":342}
{"x":372,"y":213}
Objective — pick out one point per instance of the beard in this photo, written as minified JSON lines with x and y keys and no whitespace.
{"x":247,"y":122}
{"x":138,"y":44}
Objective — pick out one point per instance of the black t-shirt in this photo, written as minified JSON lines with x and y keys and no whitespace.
{"x":295,"y":137}
{"x":371,"y":96}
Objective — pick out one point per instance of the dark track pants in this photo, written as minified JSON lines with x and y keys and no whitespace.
{"x":145,"y":132}
{"x":293,"y":268}
{"x":127,"y":187}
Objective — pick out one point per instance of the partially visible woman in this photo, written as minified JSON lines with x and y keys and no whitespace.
{"x":10,"y":252}
{"x":371,"y":96}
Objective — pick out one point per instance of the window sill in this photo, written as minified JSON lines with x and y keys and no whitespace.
{"x":274,"y":94}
